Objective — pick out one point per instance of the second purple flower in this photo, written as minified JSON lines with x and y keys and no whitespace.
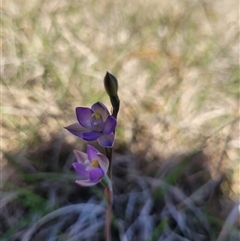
{"x":94,"y":123}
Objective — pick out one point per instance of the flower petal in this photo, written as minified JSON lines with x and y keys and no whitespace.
{"x":103,"y":162}
{"x":80,"y":169}
{"x":86,"y":183}
{"x":101,"y":109}
{"x":76,"y":129}
{"x":109,"y":125}
{"x":84,"y":116}
{"x":81,"y":156}
{"x":106,"y":140}
{"x":90,"y":136}
{"x":95,"y":174}
{"x":92,"y":153}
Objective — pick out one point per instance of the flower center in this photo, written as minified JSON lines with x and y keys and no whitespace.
{"x":94,"y":163}
{"x":96,"y":116}
{"x":96,"y":122}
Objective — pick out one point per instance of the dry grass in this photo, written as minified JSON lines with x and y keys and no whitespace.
{"x":177,"y":66}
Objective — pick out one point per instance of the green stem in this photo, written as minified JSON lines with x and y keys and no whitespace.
{"x":109,"y":196}
{"x":115,"y":104}
{"x":109,"y":154}
{"x":109,"y":199}
{"x":108,"y":190}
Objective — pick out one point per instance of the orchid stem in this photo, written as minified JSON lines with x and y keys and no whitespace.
{"x":111,"y":87}
{"x":109,"y":197}
{"x":109,"y":190}
{"x":109,"y":154}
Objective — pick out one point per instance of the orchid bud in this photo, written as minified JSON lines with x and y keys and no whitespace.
{"x":111,"y":84}
{"x":111,"y":87}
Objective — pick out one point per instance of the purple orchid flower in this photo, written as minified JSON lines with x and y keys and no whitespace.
{"x":94,"y":123}
{"x":91,"y":166}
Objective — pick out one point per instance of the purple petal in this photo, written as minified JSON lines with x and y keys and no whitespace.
{"x":109,"y":125}
{"x":101,"y":109}
{"x":95,"y":174}
{"x":76,"y":129}
{"x":80,"y":169}
{"x":86,"y":183}
{"x":103,"y":162}
{"x":91,"y":135}
{"x":92,"y":153}
{"x":106,"y":140}
{"x":81,"y":156}
{"x":84,"y":116}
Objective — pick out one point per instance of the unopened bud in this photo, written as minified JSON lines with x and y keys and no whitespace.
{"x":111,"y":84}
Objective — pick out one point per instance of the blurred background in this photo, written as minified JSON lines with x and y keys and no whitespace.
{"x":176,"y":161}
